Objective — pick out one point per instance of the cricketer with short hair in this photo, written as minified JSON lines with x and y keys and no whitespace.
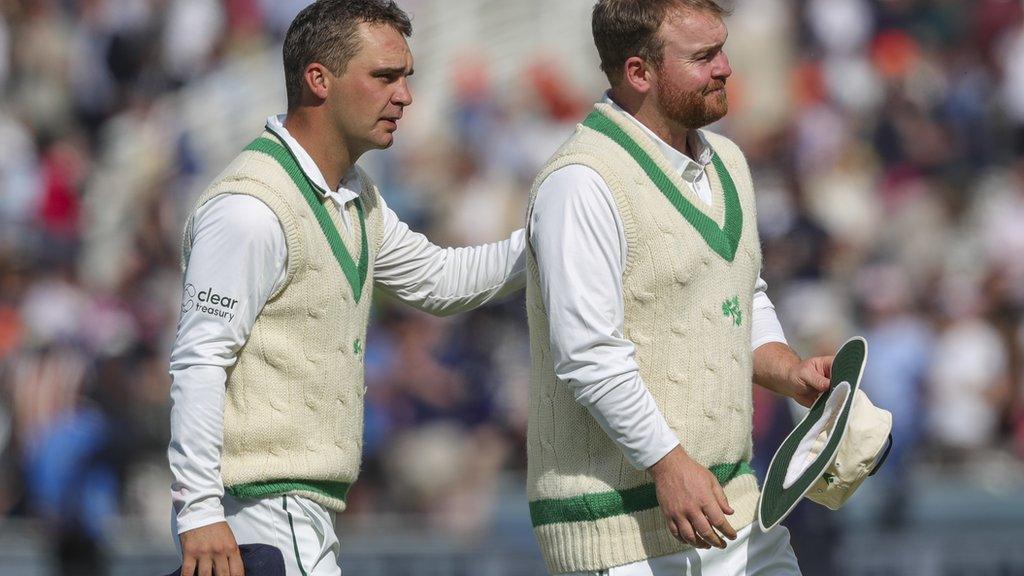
{"x":648,"y":318}
{"x":267,"y":406}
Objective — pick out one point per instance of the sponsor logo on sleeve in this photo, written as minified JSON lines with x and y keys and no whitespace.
{"x":189,"y":301}
{"x":208,"y":302}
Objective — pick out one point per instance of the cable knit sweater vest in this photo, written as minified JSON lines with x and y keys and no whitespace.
{"x":687,"y":284}
{"x":293,"y":412}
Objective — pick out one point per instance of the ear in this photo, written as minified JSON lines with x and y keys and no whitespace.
{"x":317,"y":79}
{"x":637,"y":74}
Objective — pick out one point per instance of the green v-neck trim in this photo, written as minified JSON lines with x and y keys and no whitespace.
{"x":723,"y":240}
{"x":354,"y":273}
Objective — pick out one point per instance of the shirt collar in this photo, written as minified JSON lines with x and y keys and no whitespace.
{"x":348,"y":188}
{"x":686,"y":167}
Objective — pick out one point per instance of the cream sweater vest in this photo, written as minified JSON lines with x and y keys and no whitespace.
{"x":688,"y":284}
{"x":293,"y":412}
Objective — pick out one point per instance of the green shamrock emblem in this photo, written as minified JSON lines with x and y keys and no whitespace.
{"x":731,"y":308}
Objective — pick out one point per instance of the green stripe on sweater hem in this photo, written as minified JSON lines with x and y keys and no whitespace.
{"x":724,"y":240}
{"x":338,"y":490}
{"x":354,"y":273}
{"x":592,"y":507}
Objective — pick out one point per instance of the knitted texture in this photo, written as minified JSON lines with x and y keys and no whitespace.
{"x":688,"y":285}
{"x":293,"y":412}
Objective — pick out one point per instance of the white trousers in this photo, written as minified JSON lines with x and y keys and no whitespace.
{"x":752,"y":553}
{"x":301,"y":529}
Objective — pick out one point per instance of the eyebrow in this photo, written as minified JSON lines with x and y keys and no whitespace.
{"x":393,"y":71}
{"x":704,"y":50}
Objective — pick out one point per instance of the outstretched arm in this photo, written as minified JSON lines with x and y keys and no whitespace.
{"x":445,"y":281}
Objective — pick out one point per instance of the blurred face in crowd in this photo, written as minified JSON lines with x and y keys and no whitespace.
{"x":367,"y":99}
{"x":689,"y":83}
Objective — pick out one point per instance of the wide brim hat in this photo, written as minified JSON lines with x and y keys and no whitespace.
{"x":841,"y":441}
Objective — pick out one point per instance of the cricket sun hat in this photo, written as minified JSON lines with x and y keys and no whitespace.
{"x":841,"y":441}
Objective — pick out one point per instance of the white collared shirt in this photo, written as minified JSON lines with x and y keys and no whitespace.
{"x":239,"y":251}
{"x":349,"y":187}
{"x":691,"y":171}
{"x":577,"y":235}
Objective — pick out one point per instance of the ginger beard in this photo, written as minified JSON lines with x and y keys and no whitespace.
{"x":693,"y":109}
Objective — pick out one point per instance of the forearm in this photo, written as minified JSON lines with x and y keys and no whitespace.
{"x":626,"y":411}
{"x":197,"y":400}
{"x":774,"y":363}
{"x":445,"y":281}
{"x":579,"y":246}
{"x":472,"y":276}
{"x":778,"y":368}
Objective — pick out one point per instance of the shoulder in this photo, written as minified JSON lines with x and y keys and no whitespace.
{"x":572,"y":176}
{"x":582,"y":162}
{"x":240,"y":216}
{"x":574,"y":192}
{"x":572,"y":184}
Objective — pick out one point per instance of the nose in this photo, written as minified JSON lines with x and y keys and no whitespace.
{"x":722,"y":68}
{"x":403,"y":94}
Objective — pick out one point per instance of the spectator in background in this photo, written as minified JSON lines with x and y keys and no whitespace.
{"x":895,"y":376}
{"x":71,"y":481}
{"x":969,"y":381}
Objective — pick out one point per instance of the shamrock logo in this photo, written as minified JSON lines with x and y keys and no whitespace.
{"x":731,"y":308}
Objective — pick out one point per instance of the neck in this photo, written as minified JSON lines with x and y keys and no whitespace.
{"x":327,"y":149}
{"x":644,"y":108}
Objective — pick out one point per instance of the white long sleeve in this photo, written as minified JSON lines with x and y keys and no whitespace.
{"x":446,"y":281}
{"x":238,"y":252}
{"x":577,"y":235}
{"x":438,"y":280}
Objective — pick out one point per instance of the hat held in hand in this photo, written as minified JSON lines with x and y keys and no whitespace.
{"x":843,"y":439}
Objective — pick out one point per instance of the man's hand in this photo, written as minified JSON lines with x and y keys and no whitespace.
{"x":779,"y":369}
{"x":210,"y":551}
{"x":692,"y":500}
{"x":810,"y":378}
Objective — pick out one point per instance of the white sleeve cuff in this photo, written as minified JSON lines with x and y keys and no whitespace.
{"x":663,"y":441}
{"x":199,"y":515}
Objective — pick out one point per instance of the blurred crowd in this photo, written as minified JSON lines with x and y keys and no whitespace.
{"x":890,"y":184}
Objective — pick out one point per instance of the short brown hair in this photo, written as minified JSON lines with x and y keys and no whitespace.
{"x":626,"y":28}
{"x":327,"y":32}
